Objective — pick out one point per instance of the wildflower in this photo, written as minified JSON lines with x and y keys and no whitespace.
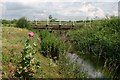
{"x":31,"y":34}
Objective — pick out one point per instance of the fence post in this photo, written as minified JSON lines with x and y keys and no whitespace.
{"x":35,"y":21}
{"x":59,"y":23}
{"x":47,"y":22}
{"x":73,"y":23}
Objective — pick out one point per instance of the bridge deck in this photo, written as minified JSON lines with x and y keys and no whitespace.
{"x":55,"y":26}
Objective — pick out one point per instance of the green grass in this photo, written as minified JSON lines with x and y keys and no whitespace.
{"x":99,"y":43}
{"x":13,"y":40}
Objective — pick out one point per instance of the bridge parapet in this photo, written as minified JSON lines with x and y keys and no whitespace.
{"x":55,"y":26}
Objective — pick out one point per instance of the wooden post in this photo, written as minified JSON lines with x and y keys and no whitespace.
{"x":90,"y":22}
{"x":85,"y":22}
{"x":59,"y":23}
{"x":35,"y":21}
{"x":73,"y":23}
{"x":47,"y":22}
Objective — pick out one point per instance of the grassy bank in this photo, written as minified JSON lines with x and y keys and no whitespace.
{"x":100,"y":44}
{"x":13,"y":40}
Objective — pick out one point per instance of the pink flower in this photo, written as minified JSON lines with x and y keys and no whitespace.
{"x":31,"y":34}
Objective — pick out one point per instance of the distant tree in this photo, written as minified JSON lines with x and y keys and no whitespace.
{"x":23,"y":23}
{"x":14,"y":21}
{"x":5,"y":21}
{"x":52,"y":19}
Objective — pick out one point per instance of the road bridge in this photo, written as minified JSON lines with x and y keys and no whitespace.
{"x":56,"y":26}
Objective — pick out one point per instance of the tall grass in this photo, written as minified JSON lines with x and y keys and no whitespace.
{"x":51,"y":45}
{"x":101,"y":43}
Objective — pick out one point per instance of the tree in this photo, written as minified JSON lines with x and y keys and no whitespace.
{"x":14,"y":21}
{"x":5,"y":22}
{"x":51,"y":18}
{"x":23,"y":23}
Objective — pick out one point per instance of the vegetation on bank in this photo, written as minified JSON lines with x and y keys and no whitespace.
{"x":13,"y":41}
{"x":23,"y":23}
{"x":17,"y":62}
{"x":51,"y":45}
{"x":100,"y":44}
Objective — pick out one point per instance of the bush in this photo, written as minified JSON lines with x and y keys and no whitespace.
{"x":51,"y":46}
{"x":102,"y":42}
{"x":23,"y":23}
{"x":28,"y":65}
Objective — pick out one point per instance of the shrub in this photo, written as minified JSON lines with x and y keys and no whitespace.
{"x":102,"y":42}
{"x":23,"y":23}
{"x":51,"y":46}
{"x":28,"y":64}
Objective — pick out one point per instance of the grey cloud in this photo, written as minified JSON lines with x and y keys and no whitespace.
{"x":16,"y":10}
{"x":93,"y":10}
{"x":16,"y":6}
{"x":60,"y":10}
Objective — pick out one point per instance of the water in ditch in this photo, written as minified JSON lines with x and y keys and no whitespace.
{"x":85,"y":66}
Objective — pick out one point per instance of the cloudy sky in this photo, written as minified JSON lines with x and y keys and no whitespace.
{"x":60,"y":9}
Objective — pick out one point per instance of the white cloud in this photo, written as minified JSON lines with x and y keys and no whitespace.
{"x":64,"y":10}
{"x":2,"y":10}
{"x":92,"y":11}
{"x":115,"y":13}
{"x":37,"y":1}
{"x":84,"y":9}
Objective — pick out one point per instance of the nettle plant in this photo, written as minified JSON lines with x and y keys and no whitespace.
{"x":28,"y":65}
